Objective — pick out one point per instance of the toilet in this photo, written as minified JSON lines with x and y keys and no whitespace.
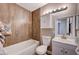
{"x":42,"y":49}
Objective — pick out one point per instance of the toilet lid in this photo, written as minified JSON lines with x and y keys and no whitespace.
{"x":41,"y":49}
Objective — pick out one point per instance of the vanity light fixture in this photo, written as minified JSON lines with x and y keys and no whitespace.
{"x":57,"y":10}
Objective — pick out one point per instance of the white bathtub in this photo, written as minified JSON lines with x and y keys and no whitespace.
{"x":24,"y":48}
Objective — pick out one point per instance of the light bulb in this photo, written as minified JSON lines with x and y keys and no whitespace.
{"x":59,"y":8}
{"x":54,"y":10}
{"x":64,"y":6}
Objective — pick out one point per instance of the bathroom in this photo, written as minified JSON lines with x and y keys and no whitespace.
{"x":40,"y":28}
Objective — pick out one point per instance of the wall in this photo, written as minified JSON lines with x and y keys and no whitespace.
{"x":47,"y":31}
{"x":20,"y":21}
{"x":36,"y":24}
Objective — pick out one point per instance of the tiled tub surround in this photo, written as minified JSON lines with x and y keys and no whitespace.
{"x":47,"y":31}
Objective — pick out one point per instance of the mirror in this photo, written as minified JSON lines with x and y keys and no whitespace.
{"x":62,"y":26}
{"x":65,"y":26}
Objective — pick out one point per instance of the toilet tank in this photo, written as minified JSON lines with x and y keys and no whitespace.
{"x":46,"y":40}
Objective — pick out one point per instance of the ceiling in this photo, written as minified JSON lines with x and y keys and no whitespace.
{"x":31,"y":6}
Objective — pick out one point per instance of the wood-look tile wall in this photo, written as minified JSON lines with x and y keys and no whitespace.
{"x":20,"y":20}
{"x":36,"y":24}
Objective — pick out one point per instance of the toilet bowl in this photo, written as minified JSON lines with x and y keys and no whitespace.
{"x":42,"y":49}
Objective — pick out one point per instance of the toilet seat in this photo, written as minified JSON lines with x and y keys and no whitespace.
{"x":41,"y":50}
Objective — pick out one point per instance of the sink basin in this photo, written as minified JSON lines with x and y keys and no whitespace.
{"x":67,"y":40}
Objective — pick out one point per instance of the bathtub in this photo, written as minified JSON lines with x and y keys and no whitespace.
{"x":24,"y":48}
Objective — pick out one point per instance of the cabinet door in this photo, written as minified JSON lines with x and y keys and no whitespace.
{"x":63,"y":49}
{"x":69,"y":52}
{"x":57,"y":50}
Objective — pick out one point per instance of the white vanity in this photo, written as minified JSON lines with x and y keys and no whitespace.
{"x":64,"y":41}
{"x":63,"y":47}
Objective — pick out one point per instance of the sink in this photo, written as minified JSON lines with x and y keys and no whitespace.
{"x":65,"y":40}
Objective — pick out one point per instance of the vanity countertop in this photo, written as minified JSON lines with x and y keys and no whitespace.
{"x":66,"y":41}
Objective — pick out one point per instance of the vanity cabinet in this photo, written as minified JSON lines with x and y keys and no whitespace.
{"x":59,"y":48}
{"x":47,"y":21}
